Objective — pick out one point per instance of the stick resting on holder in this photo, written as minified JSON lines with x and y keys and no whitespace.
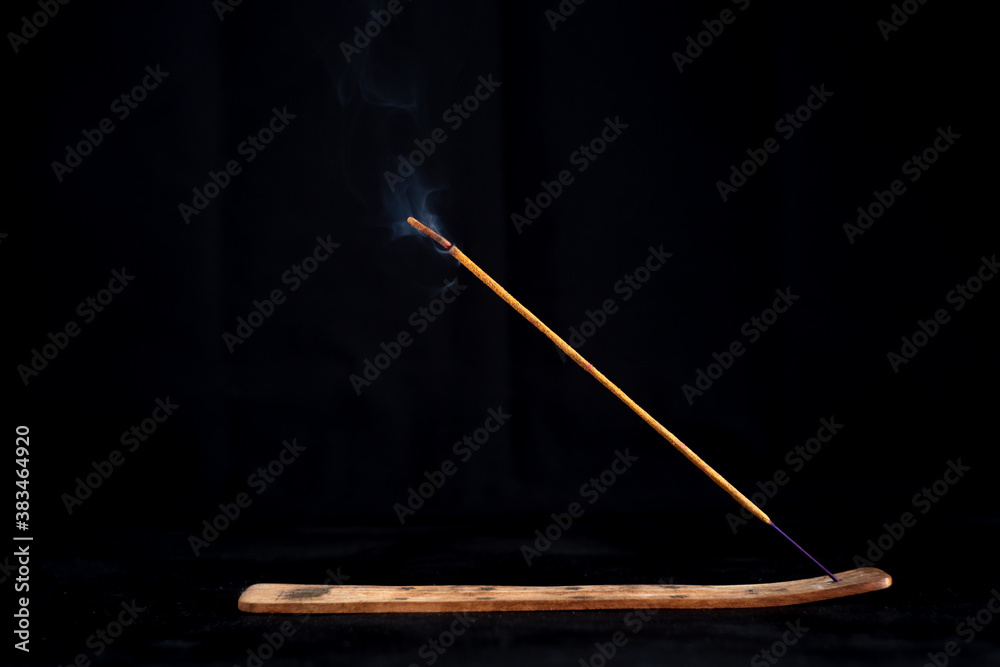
{"x":298,"y":599}
{"x":611,"y":386}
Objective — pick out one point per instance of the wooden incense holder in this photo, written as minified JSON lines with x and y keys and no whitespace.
{"x":297,"y":599}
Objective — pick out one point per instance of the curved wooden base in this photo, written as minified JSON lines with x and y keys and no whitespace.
{"x":297,"y":599}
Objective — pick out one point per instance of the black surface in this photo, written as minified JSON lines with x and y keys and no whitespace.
{"x":190,"y":615}
{"x":363,"y":447}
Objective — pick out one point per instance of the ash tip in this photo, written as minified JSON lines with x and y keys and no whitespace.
{"x":428,"y":232}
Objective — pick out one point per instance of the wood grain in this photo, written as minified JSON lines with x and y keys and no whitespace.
{"x":301,"y":599}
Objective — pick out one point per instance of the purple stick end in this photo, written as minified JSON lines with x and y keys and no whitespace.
{"x":832,"y":576}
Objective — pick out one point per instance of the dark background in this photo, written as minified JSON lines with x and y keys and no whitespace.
{"x":332,"y":508}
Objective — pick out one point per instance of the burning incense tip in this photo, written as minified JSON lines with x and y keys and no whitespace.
{"x":428,"y":232}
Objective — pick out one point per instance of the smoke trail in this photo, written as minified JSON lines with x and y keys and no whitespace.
{"x":382,"y":94}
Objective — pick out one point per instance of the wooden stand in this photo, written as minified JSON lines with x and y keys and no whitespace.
{"x":298,"y":599}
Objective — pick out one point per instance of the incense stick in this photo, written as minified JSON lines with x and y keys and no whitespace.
{"x":611,"y":386}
